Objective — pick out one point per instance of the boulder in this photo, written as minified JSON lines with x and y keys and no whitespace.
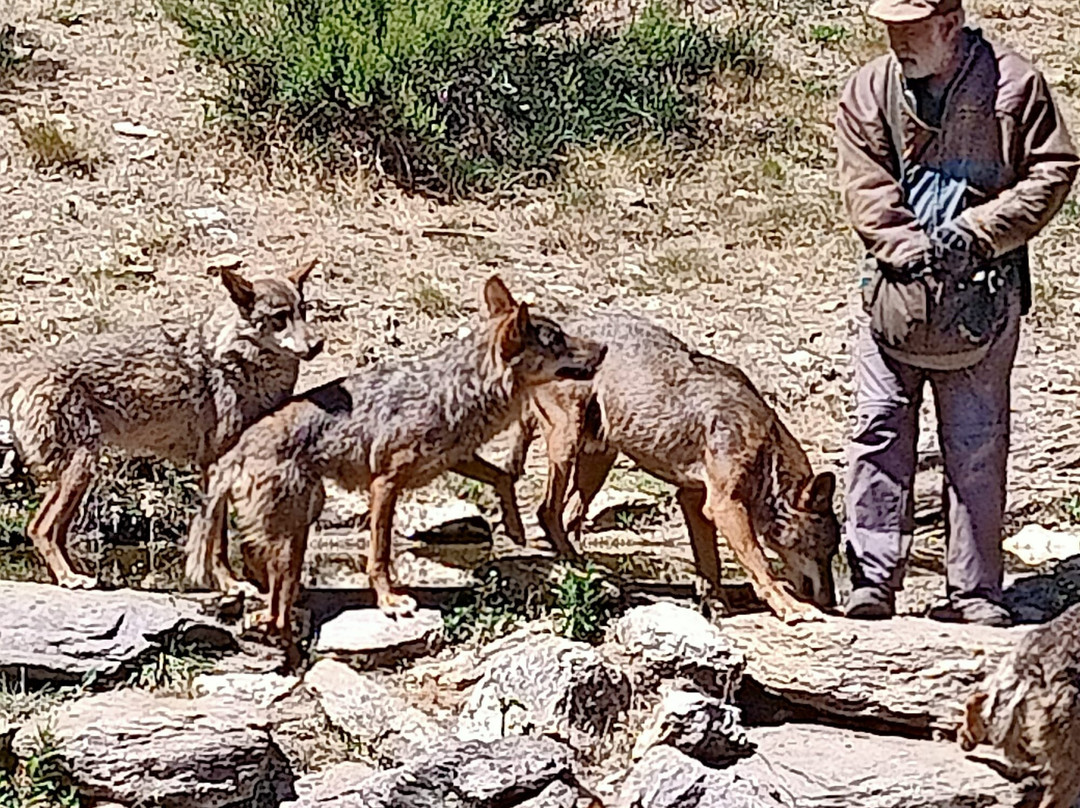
{"x":664,"y":641}
{"x":367,"y":710}
{"x":546,"y":685}
{"x":698,"y":725}
{"x":506,"y":773}
{"x":61,"y":635}
{"x":666,"y":778}
{"x":136,"y":749}
{"x":829,"y":767}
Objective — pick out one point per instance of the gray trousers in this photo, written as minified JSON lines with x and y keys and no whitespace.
{"x":973,"y":427}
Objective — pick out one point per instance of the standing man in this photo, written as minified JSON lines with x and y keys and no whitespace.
{"x":952,"y":156}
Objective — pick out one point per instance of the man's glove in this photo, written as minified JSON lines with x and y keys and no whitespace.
{"x":957,"y":251}
{"x":953,"y":243}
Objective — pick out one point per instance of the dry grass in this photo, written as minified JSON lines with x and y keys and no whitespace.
{"x":736,"y":240}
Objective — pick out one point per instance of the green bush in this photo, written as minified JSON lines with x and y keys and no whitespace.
{"x":132,"y":500}
{"x":585,"y":600}
{"x":40,"y":780}
{"x":579,"y":599}
{"x":452,"y":96}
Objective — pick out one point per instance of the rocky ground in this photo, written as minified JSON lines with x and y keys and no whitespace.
{"x":665,"y":709}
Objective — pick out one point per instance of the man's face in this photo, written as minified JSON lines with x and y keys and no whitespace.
{"x":925,"y":47}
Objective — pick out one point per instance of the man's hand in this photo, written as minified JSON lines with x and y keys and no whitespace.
{"x":954,"y":244}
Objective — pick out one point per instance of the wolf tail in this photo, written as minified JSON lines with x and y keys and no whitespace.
{"x":207,"y":532}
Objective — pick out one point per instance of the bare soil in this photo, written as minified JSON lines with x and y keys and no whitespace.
{"x":737,"y":243}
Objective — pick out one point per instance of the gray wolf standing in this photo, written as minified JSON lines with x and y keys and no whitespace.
{"x":699,"y":424}
{"x":385,"y":429}
{"x":952,"y":156}
{"x":182,"y":391}
{"x":1030,"y":708}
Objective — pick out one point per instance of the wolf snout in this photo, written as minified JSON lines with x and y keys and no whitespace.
{"x":314,"y":349}
{"x":586,"y":370}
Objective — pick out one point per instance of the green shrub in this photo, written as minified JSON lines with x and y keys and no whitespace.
{"x":139,"y":500}
{"x":579,"y":599}
{"x":585,"y":599}
{"x":451,"y":95}
{"x":19,"y":500}
{"x":494,"y":607}
{"x":41,"y":781}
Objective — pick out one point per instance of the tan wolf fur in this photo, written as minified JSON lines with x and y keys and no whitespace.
{"x":385,"y":429}
{"x":1030,"y":709}
{"x":699,"y":424}
{"x":180,"y":390}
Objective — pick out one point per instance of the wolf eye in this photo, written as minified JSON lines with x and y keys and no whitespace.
{"x":550,"y":338}
{"x":279,"y":320}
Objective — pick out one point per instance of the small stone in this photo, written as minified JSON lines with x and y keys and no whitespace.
{"x":134,"y":129}
{"x":1035,"y":545}
{"x":33,"y":278}
{"x":207,"y":215}
{"x":367,"y":637}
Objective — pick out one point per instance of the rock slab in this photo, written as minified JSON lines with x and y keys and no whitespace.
{"x":369,"y":638}
{"x":907,"y":672}
{"x":827,"y":767}
{"x":133,"y":748}
{"x":60,"y":634}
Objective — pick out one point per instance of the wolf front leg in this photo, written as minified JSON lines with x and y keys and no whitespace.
{"x":383,"y":494}
{"x":732,"y":520}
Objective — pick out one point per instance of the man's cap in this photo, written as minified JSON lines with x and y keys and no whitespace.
{"x":910,"y":10}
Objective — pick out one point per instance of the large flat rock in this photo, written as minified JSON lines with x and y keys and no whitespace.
{"x":826,"y":767}
{"x":60,"y":634}
{"x":137,"y":749}
{"x":906,"y":672}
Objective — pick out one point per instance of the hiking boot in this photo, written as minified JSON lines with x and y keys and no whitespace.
{"x":871,"y":603}
{"x":979,"y":611}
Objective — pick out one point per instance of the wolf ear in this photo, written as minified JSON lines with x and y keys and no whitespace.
{"x":497,"y":297}
{"x":241,"y":290}
{"x":299,"y":275}
{"x":817,"y":495}
{"x":512,"y":333}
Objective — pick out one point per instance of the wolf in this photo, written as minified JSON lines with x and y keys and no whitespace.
{"x":181,"y":390}
{"x":701,"y":425}
{"x":1029,"y":707}
{"x":384,"y":429}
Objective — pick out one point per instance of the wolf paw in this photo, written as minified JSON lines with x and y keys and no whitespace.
{"x":396,"y":604}
{"x":244,"y":589}
{"x":74,"y":580}
{"x":792,"y":610}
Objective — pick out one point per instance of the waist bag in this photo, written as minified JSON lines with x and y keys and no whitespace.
{"x":948,"y":314}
